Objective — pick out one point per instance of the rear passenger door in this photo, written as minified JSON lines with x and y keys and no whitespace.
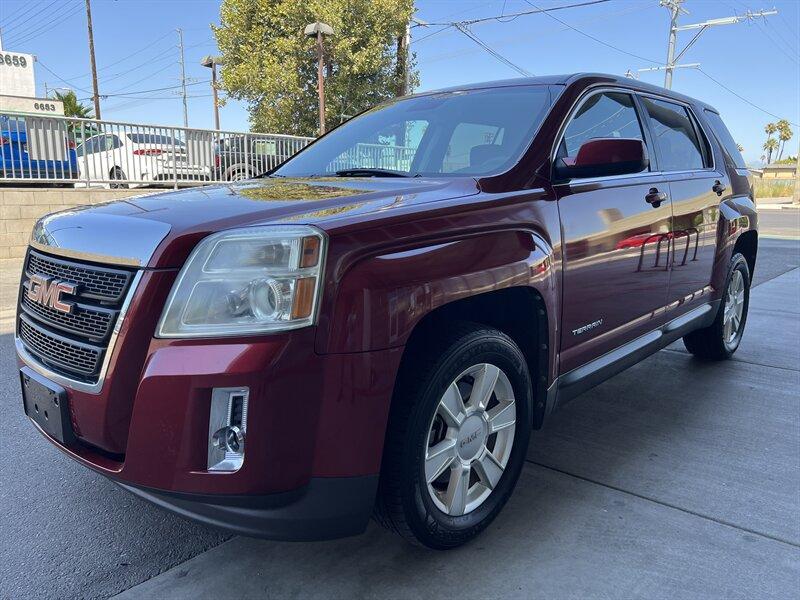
{"x":685,"y":158}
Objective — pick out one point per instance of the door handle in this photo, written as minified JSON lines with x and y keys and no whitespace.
{"x":655,"y":198}
{"x":718,"y":187}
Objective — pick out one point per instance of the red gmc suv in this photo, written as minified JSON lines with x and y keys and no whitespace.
{"x":376,"y":326}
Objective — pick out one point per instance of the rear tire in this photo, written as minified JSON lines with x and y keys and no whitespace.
{"x":445,"y":504}
{"x":118,"y":174}
{"x":721,"y":339}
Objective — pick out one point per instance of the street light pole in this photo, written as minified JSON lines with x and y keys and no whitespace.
{"x":211,"y":62}
{"x":216,"y":97}
{"x":321,"y":82}
{"x":317,"y":30}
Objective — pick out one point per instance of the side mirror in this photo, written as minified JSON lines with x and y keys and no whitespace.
{"x":603,"y":157}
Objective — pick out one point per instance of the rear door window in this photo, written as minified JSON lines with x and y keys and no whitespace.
{"x":676,"y":137}
{"x":725,"y":139}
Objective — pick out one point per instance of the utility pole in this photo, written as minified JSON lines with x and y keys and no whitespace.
{"x":675,"y":8}
{"x":96,"y":94}
{"x":317,"y":30}
{"x":796,"y":199}
{"x":404,"y":56}
{"x":183,"y":79}
{"x":403,"y":67}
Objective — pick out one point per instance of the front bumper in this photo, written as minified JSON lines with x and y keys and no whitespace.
{"x":316,"y":424}
{"x":325,"y":508}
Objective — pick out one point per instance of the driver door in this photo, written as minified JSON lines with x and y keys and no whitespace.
{"x":615,"y":238}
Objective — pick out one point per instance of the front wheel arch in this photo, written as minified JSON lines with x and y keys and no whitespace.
{"x":519,"y":312}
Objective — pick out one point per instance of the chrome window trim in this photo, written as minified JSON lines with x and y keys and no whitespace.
{"x":697,"y":124}
{"x":602,"y":88}
{"x":82,"y":386}
{"x":580,"y":101}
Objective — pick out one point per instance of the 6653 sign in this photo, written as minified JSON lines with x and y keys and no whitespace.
{"x":13,"y":60}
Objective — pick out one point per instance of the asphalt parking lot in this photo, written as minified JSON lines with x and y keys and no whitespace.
{"x":674,"y":479}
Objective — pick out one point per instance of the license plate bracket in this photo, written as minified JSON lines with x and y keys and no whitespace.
{"x":46,"y":404}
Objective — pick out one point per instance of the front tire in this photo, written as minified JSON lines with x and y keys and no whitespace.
{"x":457,"y":437}
{"x":722,"y":338}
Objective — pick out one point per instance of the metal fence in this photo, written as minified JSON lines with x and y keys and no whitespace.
{"x":87,"y":152}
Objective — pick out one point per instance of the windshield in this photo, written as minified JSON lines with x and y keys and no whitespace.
{"x":474,"y":132}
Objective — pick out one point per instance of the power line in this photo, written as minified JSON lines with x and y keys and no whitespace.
{"x":159,"y":89}
{"x":123,"y":59}
{"x":503,"y":18}
{"x":465,"y":30}
{"x":742,"y":98}
{"x":30,"y":16}
{"x":539,"y":35}
{"x":23,"y":37}
{"x":16,"y":15}
{"x":145,"y":78}
{"x":62,"y":80}
{"x":591,"y":37}
{"x":790,"y":55}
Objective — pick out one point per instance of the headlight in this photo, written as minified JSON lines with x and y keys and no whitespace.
{"x":243,"y":281}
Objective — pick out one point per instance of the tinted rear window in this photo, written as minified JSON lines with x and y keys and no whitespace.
{"x":675,"y":135}
{"x":152,"y":138}
{"x":725,"y":138}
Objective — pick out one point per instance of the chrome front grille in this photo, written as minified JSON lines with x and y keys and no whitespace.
{"x":72,"y":344}
{"x":100,"y":283}
{"x":60,"y":351}
{"x":91,"y":321}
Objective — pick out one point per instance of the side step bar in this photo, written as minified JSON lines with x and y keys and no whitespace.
{"x":595,"y":372}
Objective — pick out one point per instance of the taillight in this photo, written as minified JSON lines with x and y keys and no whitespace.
{"x":4,"y":140}
{"x":148,"y":152}
{"x":71,"y":145}
{"x":216,"y":161}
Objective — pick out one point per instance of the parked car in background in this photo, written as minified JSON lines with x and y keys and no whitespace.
{"x":137,"y":159}
{"x":240,"y":157}
{"x":16,"y":161}
{"x":287,"y":356}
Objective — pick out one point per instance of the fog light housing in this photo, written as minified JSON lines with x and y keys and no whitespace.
{"x":227,"y":428}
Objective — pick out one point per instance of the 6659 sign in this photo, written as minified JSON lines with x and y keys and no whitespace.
{"x":13,"y":60}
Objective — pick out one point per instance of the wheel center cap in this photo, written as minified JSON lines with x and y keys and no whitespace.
{"x":471,"y":437}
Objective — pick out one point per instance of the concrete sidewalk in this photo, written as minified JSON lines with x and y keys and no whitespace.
{"x":777,"y":203}
{"x":675,"y":479}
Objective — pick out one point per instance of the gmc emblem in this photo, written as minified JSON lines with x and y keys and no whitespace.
{"x":47,"y":291}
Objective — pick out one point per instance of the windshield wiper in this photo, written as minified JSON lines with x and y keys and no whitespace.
{"x":369,"y":172}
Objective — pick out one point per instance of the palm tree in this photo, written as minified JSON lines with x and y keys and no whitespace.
{"x":769,"y":129}
{"x":73,"y":108}
{"x":784,"y":134}
{"x":769,"y":147}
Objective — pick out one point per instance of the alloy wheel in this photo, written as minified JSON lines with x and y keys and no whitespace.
{"x":734,"y":307}
{"x":470,"y":439}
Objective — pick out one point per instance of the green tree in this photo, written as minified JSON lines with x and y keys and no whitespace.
{"x":72,"y":107}
{"x":271,"y":65}
{"x":784,"y":134}
{"x":769,"y":147}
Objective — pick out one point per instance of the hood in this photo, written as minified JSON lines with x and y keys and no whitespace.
{"x":159,"y":230}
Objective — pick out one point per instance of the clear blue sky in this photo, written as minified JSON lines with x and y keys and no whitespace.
{"x":136,"y":50}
